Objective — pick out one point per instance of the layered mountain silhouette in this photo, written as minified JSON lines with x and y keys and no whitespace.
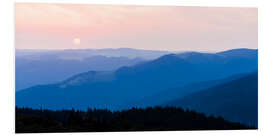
{"x":52,"y":66}
{"x":85,"y":53}
{"x":113,"y":89}
{"x":167,"y":95}
{"x":47,"y":69}
{"x":236,"y":100}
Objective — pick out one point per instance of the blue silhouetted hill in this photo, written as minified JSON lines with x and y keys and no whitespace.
{"x":167,"y":95}
{"x":236,"y":100}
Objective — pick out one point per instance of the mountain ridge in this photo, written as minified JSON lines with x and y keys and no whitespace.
{"x":135,"y":82}
{"x":236,"y":100}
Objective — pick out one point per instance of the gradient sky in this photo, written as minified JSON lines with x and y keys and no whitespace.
{"x":173,"y":28}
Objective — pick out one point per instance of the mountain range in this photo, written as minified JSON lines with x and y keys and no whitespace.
{"x":166,"y":80}
{"x":85,"y":53}
{"x":53,"y":66}
{"x":48,"y":69}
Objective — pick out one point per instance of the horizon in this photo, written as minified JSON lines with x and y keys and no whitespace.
{"x":176,"y":28}
{"x":96,"y":49}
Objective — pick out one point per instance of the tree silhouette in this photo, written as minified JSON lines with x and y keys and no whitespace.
{"x":135,"y":119}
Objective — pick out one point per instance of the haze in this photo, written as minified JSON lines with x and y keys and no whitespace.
{"x":174,"y":28}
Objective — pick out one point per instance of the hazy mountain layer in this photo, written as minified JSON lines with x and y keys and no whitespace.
{"x":48,"y":69}
{"x":85,"y":53}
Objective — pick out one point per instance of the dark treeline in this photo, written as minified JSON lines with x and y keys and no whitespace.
{"x":97,"y":120}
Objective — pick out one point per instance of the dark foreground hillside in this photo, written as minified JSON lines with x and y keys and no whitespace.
{"x":236,"y":100}
{"x":148,"y":119}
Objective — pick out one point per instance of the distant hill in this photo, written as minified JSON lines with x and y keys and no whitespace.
{"x":113,"y":89}
{"x":236,"y":100}
{"x":242,"y":52}
{"x":85,"y":53}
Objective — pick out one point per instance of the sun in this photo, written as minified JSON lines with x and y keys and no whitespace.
{"x":76,"y":41}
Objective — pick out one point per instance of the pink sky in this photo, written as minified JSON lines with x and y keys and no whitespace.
{"x":174,"y":28}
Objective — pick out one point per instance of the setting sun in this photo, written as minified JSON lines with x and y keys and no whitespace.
{"x":76,"y":41}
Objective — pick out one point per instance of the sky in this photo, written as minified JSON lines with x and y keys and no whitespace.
{"x":170,"y":28}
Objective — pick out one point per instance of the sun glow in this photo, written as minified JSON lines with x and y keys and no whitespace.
{"x":76,"y":41}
